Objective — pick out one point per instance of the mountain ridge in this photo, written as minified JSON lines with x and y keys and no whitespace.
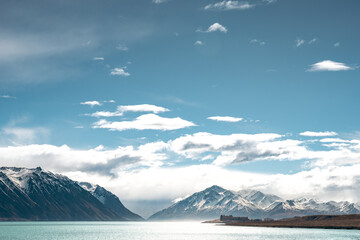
{"x":215,"y":201}
{"x":37,"y":195}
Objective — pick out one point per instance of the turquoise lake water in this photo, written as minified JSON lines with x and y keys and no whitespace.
{"x":159,"y":231}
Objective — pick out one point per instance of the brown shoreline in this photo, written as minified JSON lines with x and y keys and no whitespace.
{"x":315,"y":221}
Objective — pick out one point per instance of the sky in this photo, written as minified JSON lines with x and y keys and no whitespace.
{"x":158,"y":99}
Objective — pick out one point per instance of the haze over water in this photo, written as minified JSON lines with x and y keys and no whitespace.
{"x":159,"y":231}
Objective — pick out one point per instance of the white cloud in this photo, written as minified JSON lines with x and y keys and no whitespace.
{"x":258,"y":42}
{"x":269,"y":1}
{"x":225,"y":119}
{"x":109,"y":101}
{"x":336,"y":44}
{"x":313,"y":41}
{"x":214,"y":28}
{"x":106,"y":114}
{"x":334,"y":173}
{"x":238,"y":148}
{"x":97,"y":160}
{"x":331,"y":183}
{"x":91,"y":103}
{"x":20,"y":135}
{"x":142,"y":108}
{"x":145,"y":122}
{"x":159,"y":1}
{"x":299,"y":42}
{"x":318,"y":134}
{"x":122,"y":47}
{"x":328,"y":65}
{"x":7,"y":96}
{"x":326,"y":140}
{"x":130,"y":108}
{"x":98,"y":59}
{"x":199,"y":43}
{"x":229,"y":5}
{"x":120,"y":72}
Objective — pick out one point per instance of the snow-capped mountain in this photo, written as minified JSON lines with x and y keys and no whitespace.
{"x":215,"y":201}
{"x":110,"y":201}
{"x":35,"y":194}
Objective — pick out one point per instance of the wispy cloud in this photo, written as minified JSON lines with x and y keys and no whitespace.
{"x":159,"y":1}
{"x":314,"y":40}
{"x":229,"y":5}
{"x":91,"y":103}
{"x":299,"y":42}
{"x":122,"y":47}
{"x":120,"y":72}
{"x":216,"y":27}
{"x":318,"y":134}
{"x":7,"y":96}
{"x":225,"y":119}
{"x":256,"y":41}
{"x":98,"y":59}
{"x":146,"y":122}
{"x":328,"y":65}
{"x":23,"y":135}
{"x":109,"y":101}
{"x":337,"y":44}
{"x":198,"y":43}
{"x":130,"y":108}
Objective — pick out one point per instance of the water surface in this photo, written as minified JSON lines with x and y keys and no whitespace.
{"x":159,"y":231}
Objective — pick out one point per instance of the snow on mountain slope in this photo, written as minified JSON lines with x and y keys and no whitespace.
{"x":35,"y":194}
{"x":111,"y":201}
{"x":215,"y":201}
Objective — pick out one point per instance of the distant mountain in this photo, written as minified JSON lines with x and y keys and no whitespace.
{"x":110,"y":201}
{"x":215,"y":201}
{"x":35,"y":194}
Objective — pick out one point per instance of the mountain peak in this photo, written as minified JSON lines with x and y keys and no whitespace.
{"x":36,"y":194}
{"x":215,"y":201}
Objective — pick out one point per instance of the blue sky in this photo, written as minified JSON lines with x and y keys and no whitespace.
{"x":161,"y":69}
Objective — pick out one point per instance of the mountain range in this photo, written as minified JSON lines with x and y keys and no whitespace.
{"x":35,"y":194}
{"x":215,"y":201}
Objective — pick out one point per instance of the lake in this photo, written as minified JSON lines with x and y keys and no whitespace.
{"x":159,"y":231}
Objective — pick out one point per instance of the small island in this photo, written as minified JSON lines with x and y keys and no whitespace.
{"x":351,"y":221}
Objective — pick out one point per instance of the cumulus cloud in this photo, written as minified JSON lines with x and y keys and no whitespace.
{"x":229,"y":5}
{"x":120,"y":72}
{"x":216,"y":27}
{"x":328,"y":65}
{"x":91,"y":103}
{"x":318,"y":134}
{"x":130,"y":108}
{"x":145,"y":122}
{"x":332,"y":175}
{"x":225,"y":119}
{"x":237,"y":148}
{"x":97,"y":160}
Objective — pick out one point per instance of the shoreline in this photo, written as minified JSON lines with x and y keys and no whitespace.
{"x":349,"y":222}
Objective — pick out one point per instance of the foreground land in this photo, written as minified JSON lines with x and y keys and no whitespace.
{"x":316,"y":221}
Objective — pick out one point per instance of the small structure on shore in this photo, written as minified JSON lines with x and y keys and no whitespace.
{"x":230,"y":218}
